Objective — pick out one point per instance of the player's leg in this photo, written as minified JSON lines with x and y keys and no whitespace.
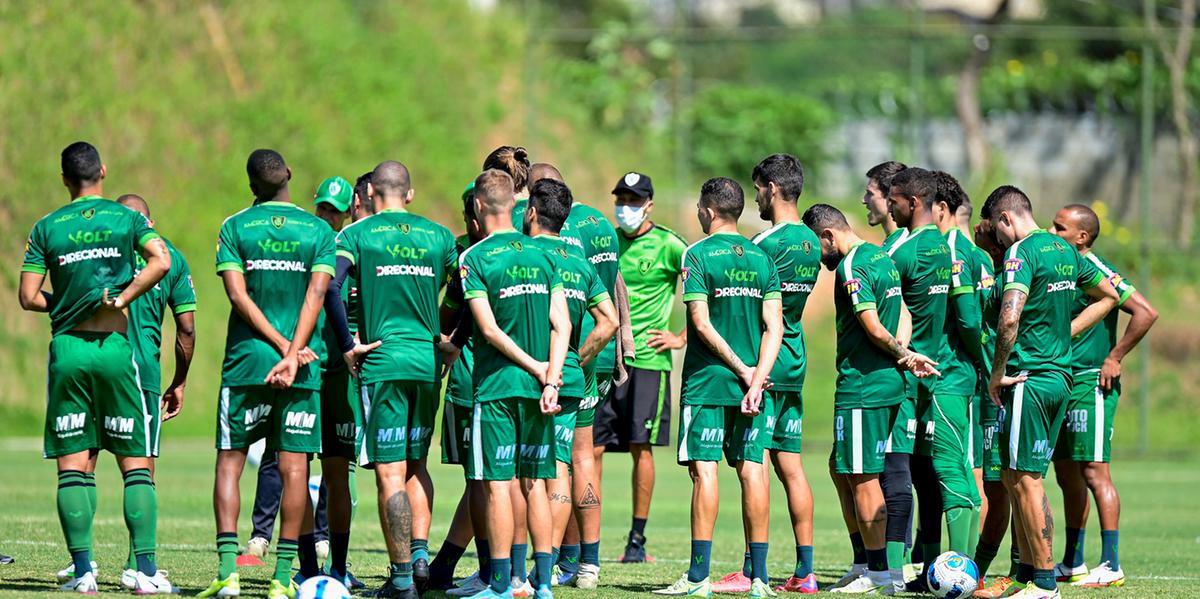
{"x":537,"y":463}
{"x":493,"y":464}
{"x":976,"y":435}
{"x":456,"y":430}
{"x":1098,"y":478}
{"x":519,"y":544}
{"x":387,"y":416}
{"x":559,"y":488}
{"x":897,"y":484}
{"x":858,"y":563}
{"x":267,"y":491}
{"x":951,"y":460}
{"x":701,"y":445}
{"x":746,"y":441}
{"x":648,"y":398}
{"x":340,"y":425}
{"x":862,"y":456}
{"x":1075,"y":447}
{"x":422,"y":421}
{"x":581,"y":540}
{"x":786,"y":446}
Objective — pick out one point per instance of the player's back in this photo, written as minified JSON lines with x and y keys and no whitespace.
{"x":867,"y":279}
{"x":923,"y":260}
{"x":599,"y":240}
{"x":401,"y":261}
{"x":84,"y":248}
{"x":581,"y":286}
{"x":1091,"y":347}
{"x":796,"y":252}
{"x":276,"y":246}
{"x":734,"y":277}
{"x":147,"y":312}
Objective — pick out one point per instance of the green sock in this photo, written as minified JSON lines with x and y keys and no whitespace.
{"x":973,"y":540}
{"x":984,"y":554}
{"x":747,"y":566}
{"x":285,"y":554}
{"x":1073,"y":551}
{"x":141,"y":518}
{"x":227,"y":551}
{"x":519,"y":552}
{"x":895,"y":555}
{"x":958,"y":523}
{"x":89,"y":482}
{"x":75,"y":516}
{"x":400,"y":575}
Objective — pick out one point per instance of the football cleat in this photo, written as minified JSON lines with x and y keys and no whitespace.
{"x":223,"y":588}
{"x":996,"y":589}
{"x":734,"y":582}
{"x":635,"y":549}
{"x":391,"y":591}
{"x":1065,"y":573}
{"x":760,"y":590}
{"x":686,"y":588}
{"x":871,"y":582}
{"x":153,"y":585}
{"x":856,"y":570}
{"x":69,"y":572}
{"x":1032,"y":591}
{"x":469,"y":587}
{"x":278,"y":591}
{"x":1102,"y":576}
{"x":588,"y":576}
{"x":806,"y":585}
{"x":258,"y":547}
{"x":85,"y":584}
{"x":521,"y":590}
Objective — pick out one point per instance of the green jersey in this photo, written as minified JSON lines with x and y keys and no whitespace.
{"x":146,"y":317}
{"x":332,"y":362}
{"x":568,"y":233}
{"x":517,"y":280}
{"x":734,"y":277}
{"x":893,"y":238}
{"x":1092,"y":346}
{"x":988,"y":297}
{"x":583,"y":289}
{"x":796,"y":251}
{"x":651,"y":264}
{"x":277,"y":246}
{"x":868,"y":377}
{"x":959,"y":374}
{"x":923,"y":260}
{"x":600,"y":245}
{"x":1049,"y":271}
{"x":84,"y":248}
{"x":401,"y":261}
{"x":459,"y":389}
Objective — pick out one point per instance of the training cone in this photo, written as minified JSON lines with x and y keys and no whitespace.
{"x":249,"y":560}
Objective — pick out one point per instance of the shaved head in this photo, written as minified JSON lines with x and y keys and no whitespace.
{"x":267,"y":170}
{"x":391,"y":179}
{"x":494,"y":190}
{"x":136,"y":203}
{"x":1085,"y":218}
{"x":544,"y":170}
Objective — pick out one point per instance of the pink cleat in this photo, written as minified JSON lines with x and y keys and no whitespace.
{"x":806,"y":585}
{"x":734,"y":582}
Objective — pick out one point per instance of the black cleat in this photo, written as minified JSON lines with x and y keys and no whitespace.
{"x":421,"y":575}
{"x":918,"y":585}
{"x":635,"y":549}
{"x":390,"y":591}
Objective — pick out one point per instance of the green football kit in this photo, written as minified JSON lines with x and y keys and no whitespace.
{"x":509,"y":434}
{"x":92,"y":396}
{"x":735,"y":278}
{"x":277,"y":246}
{"x":175,"y":291}
{"x":1050,"y":272}
{"x":990,"y":415}
{"x":341,"y":405}
{"x":870,"y":386}
{"x":600,"y":245}
{"x":1087,"y":430}
{"x":583,"y":289}
{"x":904,"y":435}
{"x":400,"y":262}
{"x":460,"y":393}
{"x":796,"y":252}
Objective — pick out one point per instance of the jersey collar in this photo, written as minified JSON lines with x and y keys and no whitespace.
{"x":84,"y":198}
{"x":386,"y":210}
{"x":276,"y":203}
{"x":923,"y":228}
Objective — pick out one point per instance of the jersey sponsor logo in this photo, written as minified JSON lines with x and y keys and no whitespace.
{"x":573,"y":241}
{"x":893,"y":292}
{"x":403,"y":251}
{"x":741,"y":276}
{"x":1065,"y":270}
{"x":1077,"y":421}
{"x":1041,"y":447}
{"x":535,"y":452}
{"x":687,"y":272}
{"x":575,"y":294}
{"x":416,"y":270}
{"x":807,"y":272}
{"x":118,"y":424}
{"x":524,"y":289}
{"x":957,"y":267}
{"x":88,"y":237}
{"x":938,"y":289}
{"x":737,"y":292}
{"x":68,"y":422}
{"x":299,"y":420}
{"x":603,"y":257}
{"x":1060,"y":286}
{"x":278,"y":247}
{"x":796,"y":287}
{"x":564,"y":434}
{"x":712,"y":435}
{"x":506,"y":453}
{"x":463,"y":272}
{"x":88,"y":254}
{"x":278,"y":265}
{"x":985,"y":282}
{"x":1013,"y":264}
{"x":839,"y":428}
{"x":89,"y":213}
{"x":278,"y":221}
{"x":853,"y":286}
{"x":256,"y":414}
{"x":600,"y":243}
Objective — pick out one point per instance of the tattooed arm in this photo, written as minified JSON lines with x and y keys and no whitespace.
{"x":920,"y":365}
{"x":1011,"y":306}
{"x":698,"y":313}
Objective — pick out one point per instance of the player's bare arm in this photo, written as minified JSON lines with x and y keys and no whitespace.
{"x":698,"y":313}
{"x":560,"y":339}
{"x":284,"y":373}
{"x":239,"y":298}
{"x":1011,"y":306}
{"x":605,"y":315}
{"x":768,"y":351}
{"x":1106,"y":298}
{"x":485,"y":323}
{"x":158,"y":263}
{"x":661,"y":341}
{"x":185,"y":346}
{"x":1142,"y":317}
{"x":904,"y":328}
{"x":919,"y":364}
{"x":31,"y":296}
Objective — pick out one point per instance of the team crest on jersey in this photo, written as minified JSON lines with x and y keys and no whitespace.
{"x":806,"y":246}
{"x":1059,"y":246}
{"x":687,"y":271}
{"x":516,"y":245}
{"x":853,"y":286}
{"x":592,"y":219}
{"x":278,"y":221}
{"x":89,"y":213}
{"x":404,"y":228}
{"x":644,"y":265}
{"x":1013,"y":264}
{"x":739,"y":250}
{"x":561,"y":252}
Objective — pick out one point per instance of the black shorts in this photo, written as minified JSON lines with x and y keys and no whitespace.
{"x":637,"y":412}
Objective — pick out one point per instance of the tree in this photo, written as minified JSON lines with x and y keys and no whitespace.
{"x":1176,"y":57}
{"x":966,"y":95}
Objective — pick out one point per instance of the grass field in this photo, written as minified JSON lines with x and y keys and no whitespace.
{"x":1160,"y":540}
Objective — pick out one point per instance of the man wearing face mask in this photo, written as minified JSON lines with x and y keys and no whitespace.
{"x":637,"y":415}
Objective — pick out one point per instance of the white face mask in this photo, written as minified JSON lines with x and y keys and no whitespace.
{"x":629,"y":218}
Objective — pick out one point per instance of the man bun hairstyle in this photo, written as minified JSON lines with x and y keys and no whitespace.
{"x":513,"y":160}
{"x":783,"y":170}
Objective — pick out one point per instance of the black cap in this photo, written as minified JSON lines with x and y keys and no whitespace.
{"x":635,"y":183}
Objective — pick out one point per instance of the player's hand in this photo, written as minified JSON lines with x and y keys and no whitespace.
{"x":661,"y":341}
{"x":549,"y":401}
{"x":746,"y":376}
{"x":542,"y":372}
{"x":921,"y":365}
{"x":1110,"y":371}
{"x":354,"y":357}
{"x":112,"y":303}
{"x":752,"y":401}
{"x":999,"y":382}
{"x":448,"y":352}
{"x":172,"y":402}
{"x":307,"y":356}
{"x":283,"y":374}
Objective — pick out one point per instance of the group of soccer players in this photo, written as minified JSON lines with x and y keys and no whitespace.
{"x":948,"y":384}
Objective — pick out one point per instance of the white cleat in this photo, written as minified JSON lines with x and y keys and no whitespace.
{"x":856,"y":570}
{"x":154,"y":585}
{"x":85,"y":584}
{"x":1065,"y":573}
{"x":521,"y":590}
{"x":258,"y":547}
{"x":68,"y":573}
{"x":1102,"y":576}
{"x":871,"y":582}
{"x":1031,"y":591}
{"x":129,"y":579}
{"x":588,"y":576}
{"x":322,"y":548}
{"x":468,"y":587}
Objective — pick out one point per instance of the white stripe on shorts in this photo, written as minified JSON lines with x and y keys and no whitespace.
{"x":1098,"y":450}
{"x":856,"y":432}
{"x":477,"y":441}
{"x":683,"y":435}
{"x":223,"y":418}
{"x":1014,"y":431}
{"x":365,"y":404}
{"x":151,"y":444}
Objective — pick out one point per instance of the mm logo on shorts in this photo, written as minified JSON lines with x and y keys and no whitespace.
{"x":257,"y":414}
{"x":419,"y":433}
{"x":565,"y":434}
{"x":119,"y":425}
{"x":390,"y":435}
{"x":793,"y":426}
{"x":346,"y":430}
{"x":1041,"y":449}
{"x":505,"y":453}
{"x":299,"y":420}
{"x":535,"y":452}
{"x":712,"y":435}
{"x":69,"y":422}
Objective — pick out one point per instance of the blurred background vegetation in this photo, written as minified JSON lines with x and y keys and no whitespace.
{"x":177,"y":93}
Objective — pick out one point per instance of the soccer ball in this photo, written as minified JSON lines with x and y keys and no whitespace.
{"x":953,"y":575}
{"x":322,"y":587}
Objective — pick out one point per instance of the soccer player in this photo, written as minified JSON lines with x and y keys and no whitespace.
{"x":1031,"y":368}
{"x":400,"y":261}
{"x":87,"y":249}
{"x":870,"y":387}
{"x":275,"y":261}
{"x":796,"y":252}
{"x":729,"y":284}
{"x":519,"y":353}
{"x":896,"y":479}
{"x":1084,"y":445}
{"x":145,"y":332}
{"x":636,"y":415}
{"x":549,"y":207}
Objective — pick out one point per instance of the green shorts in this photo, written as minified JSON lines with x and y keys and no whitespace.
{"x":991,"y":418}
{"x":860,"y":438}
{"x":564,"y":428}
{"x":341,"y":424}
{"x":399,"y":418}
{"x":786,"y":421}
{"x":902,"y":437}
{"x":153,"y":403}
{"x":1087,"y":431}
{"x":289,"y":419}
{"x":511,"y":437}
{"x":1034,"y":412}
{"x":597,"y":388}
{"x":456,"y":433}
{"x":976,"y":432}
{"x":708,"y":432}
{"x":92,"y":398}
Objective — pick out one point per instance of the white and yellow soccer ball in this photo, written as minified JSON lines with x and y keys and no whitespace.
{"x":953,"y":575}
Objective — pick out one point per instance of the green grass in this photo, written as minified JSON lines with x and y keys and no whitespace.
{"x":1159,"y":544}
